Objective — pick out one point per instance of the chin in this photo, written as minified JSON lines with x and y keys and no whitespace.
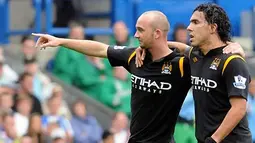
{"x":193,"y":44}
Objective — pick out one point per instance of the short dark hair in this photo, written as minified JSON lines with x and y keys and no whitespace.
{"x":23,"y":76}
{"x":25,"y":38}
{"x":106,"y":134}
{"x":215,"y":14}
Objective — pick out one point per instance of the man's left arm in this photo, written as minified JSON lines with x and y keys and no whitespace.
{"x":237,"y":78}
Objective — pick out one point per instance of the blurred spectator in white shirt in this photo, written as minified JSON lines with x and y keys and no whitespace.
{"x":57,"y":91}
{"x":119,"y":128}
{"x":7,"y":74}
{"x":21,"y":117}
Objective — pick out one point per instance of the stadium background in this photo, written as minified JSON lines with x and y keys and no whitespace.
{"x":20,"y":18}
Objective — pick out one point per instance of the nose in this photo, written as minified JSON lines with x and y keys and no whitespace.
{"x":136,"y":35}
{"x":189,"y":28}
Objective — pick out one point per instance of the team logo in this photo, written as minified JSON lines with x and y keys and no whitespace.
{"x":148,"y":85}
{"x":203,"y":84}
{"x":215,"y":64}
{"x":166,"y":68}
{"x":239,"y":82}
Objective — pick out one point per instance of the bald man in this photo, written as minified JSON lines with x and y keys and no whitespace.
{"x":158,"y":88}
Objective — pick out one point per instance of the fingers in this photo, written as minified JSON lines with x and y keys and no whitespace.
{"x":39,"y":34}
{"x":143,"y":54}
{"x":137,"y":59}
{"x":43,"y":46}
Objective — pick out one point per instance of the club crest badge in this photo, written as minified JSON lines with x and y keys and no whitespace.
{"x":215,"y":64}
{"x":166,"y":68}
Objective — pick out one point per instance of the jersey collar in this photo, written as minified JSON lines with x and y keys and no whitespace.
{"x":213,"y":52}
{"x":148,"y":57}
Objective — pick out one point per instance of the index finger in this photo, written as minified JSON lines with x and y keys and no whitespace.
{"x":38,"y":34}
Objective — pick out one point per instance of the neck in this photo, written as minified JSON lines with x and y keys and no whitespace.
{"x":212,"y":43}
{"x":159,"y":51}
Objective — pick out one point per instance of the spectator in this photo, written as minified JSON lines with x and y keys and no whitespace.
{"x":40,"y":80}
{"x":28,"y":46}
{"x":6,"y":102}
{"x":21,"y":117}
{"x":107,"y":137}
{"x":8,"y":87}
{"x":119,"y":128}
{"x":251,"y":109}
{"x":26,"y":89}
{"x":8,"y":134}
{"x":57,"y":91}
{"x":121,"y":91}
{"x":53,"y":119}
{"x":180,"y":34}
{"x":35,"y":129}
{"x":121,"y":36}
{"x":97,"y":78}
{"x":26,"y":139}
{"x":7,"y":74}
{"x":66,"y":57}
{"x":86,"y":128}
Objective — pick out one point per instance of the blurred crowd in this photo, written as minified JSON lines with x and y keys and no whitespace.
{"x":33,"y":110}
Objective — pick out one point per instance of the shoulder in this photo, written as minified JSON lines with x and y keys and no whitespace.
{"x":232,"y":62}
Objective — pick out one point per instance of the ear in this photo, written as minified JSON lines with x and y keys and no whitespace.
{"x":157,"y":33}
{"x":213,"y":28}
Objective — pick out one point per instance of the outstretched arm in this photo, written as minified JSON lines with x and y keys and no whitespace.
{"x":87,"y":47}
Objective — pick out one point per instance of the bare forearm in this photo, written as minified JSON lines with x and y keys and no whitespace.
{"x":180,"y":46}
{"x":87,"y":47}
{"x":232,"y":118}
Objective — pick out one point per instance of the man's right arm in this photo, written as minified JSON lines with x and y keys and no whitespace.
{"x":87,"y":47}
{"x":117,"y":55}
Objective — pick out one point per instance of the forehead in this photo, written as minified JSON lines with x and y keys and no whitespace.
{"x":198,"y":15}
{"x":143,"y":21}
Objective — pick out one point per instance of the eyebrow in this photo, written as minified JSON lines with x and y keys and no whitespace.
{"x":193,"y":20}
{"x":139,"y":28}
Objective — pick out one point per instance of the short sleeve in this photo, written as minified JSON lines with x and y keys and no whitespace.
{"x":237,"y":77}
{"x":120,"y":55}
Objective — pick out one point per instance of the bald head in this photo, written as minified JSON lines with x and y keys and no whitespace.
{"x":157,"y":19}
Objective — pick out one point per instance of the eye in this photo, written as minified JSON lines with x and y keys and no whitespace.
{"x":194,"y":21}
{"x":140,"y":29}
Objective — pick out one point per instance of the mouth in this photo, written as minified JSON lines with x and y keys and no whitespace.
{"x":191,"y":38}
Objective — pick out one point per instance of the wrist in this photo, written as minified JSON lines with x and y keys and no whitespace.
{"x":61,"y":41}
